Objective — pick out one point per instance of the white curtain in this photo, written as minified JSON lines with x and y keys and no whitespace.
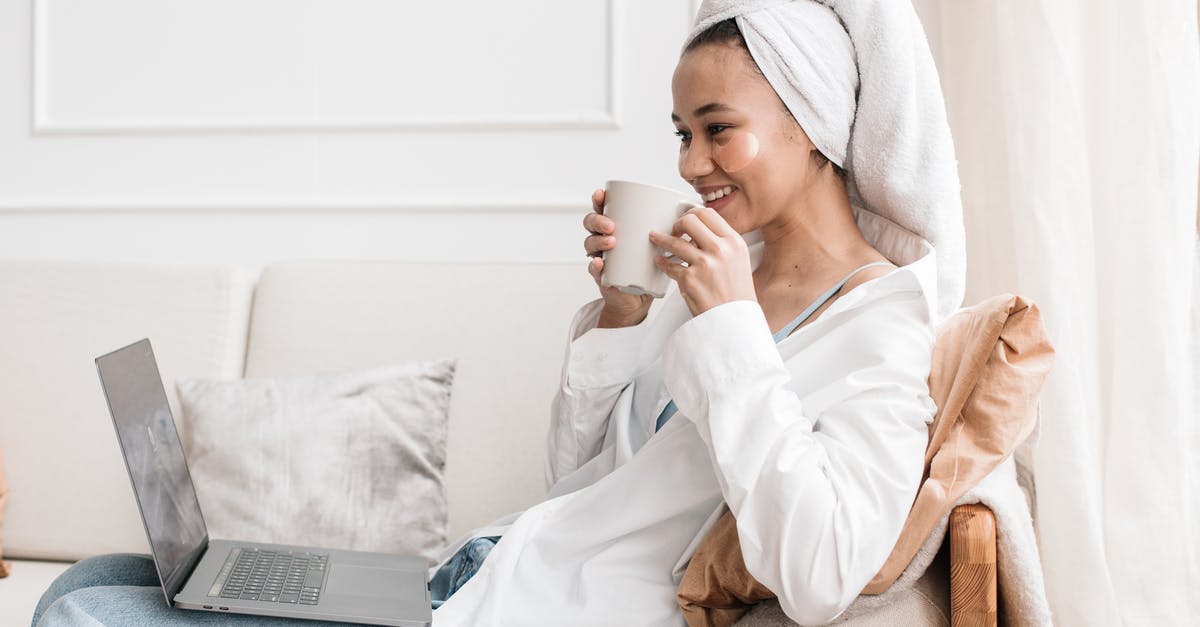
{"x":1077,"y":129}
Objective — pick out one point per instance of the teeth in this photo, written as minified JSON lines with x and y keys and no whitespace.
{"x":720,"y":193}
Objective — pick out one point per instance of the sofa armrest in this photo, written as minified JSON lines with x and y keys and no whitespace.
{"x":973,"y":596}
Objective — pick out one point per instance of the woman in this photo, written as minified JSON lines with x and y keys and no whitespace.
{"x":784,"y":378}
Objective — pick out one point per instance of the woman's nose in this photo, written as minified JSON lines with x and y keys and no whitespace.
{"x":695,"y":161}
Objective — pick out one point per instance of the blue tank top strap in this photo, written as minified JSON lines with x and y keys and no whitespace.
{"x":821,"y":300}
{"x":670,"y":409}
{"x":666,"y":414}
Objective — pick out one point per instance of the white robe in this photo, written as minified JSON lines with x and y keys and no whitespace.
{"x":816,"y":444}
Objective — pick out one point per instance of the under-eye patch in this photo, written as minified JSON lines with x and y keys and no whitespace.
{"x":735,"y":150}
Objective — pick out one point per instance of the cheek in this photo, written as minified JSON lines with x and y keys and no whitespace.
{"x":737,"y":153}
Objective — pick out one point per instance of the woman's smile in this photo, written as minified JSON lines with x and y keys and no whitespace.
{"x":718,"y":198}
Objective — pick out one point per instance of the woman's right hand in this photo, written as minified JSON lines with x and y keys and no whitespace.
{"x":620,"y":309}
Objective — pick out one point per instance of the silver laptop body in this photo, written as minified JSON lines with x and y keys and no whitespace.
{"x":240,"y":577}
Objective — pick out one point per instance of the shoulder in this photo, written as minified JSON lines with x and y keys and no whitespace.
{"x":880,"y":345}
{"x":884,"y":315}
{"x":879,"y":293}
{"x":868,"y":274}
{"x":848,"y":290}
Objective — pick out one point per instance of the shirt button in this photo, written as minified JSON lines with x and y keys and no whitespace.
{"x":602,"y":356}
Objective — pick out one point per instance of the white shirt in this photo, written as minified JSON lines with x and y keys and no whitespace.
{"x":816,"y":444}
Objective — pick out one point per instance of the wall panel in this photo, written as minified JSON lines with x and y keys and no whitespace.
{"x":243,"y":132}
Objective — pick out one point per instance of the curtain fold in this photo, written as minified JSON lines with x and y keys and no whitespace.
{"x":1077,"y":128}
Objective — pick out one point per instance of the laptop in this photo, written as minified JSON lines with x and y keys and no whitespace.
{"x":199,"y":573}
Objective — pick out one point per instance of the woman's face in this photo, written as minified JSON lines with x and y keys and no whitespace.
{"x":737,"y":137}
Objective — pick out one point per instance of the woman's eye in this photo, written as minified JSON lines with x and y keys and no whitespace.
{"x":714,"y":129}
{"x":683,"y":136}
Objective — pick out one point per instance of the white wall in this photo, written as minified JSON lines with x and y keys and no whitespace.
{"x":245,"y":131}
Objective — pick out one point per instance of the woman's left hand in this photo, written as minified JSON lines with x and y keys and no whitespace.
{"x":718,"y":261}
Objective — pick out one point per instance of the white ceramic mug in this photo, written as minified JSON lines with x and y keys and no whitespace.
{"x":637,"y":209}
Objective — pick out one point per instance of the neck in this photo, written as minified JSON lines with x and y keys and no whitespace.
{"x":816,"y":237}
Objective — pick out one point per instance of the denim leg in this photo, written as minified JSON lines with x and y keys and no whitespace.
{"x":134,"y":606}
{"x":123,"y":589}
{"x":459,"y":568}
{"x":118,"y":569}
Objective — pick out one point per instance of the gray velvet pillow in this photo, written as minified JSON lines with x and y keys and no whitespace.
{"x":349,"y":460}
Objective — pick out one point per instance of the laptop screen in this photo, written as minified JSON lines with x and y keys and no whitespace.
{"x":155,"y":460}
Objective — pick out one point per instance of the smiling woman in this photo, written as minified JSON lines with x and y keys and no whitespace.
{"x":784,"y":379}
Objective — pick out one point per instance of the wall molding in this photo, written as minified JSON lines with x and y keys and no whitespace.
{"x":608,"y":119}
{"x":299,"y":206}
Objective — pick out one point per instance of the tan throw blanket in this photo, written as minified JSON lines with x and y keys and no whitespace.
{"x":989,"y":362}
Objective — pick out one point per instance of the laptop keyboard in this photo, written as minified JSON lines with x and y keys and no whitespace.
{"x":278,"y":576}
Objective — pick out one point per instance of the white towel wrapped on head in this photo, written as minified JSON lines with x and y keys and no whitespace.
{"x":859,"y":78}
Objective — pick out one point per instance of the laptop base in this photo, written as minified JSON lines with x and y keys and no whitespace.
{"x":360,"y":587}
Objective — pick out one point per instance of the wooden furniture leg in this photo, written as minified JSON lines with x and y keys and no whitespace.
{"x":973,"y":595}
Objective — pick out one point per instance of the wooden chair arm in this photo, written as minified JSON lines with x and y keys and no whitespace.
{"x":973,"y":596}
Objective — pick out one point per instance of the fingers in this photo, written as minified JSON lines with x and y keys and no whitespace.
{"x":670,"y":267}
{"x":595,"y":266}
{"x":595,"y":244}
{"x":714,"y":222}
{"x":684,"y":250}
{"x":596,"y":222}
{"x":601,"y":229}
{"x":696,"y":228}
{"x":705,"y":226}
{"x":698,"y":231}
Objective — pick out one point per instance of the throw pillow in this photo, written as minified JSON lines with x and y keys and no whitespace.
{"x":350,"y":460}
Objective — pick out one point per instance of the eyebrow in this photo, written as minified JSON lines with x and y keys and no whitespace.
{"x":712,"y":107}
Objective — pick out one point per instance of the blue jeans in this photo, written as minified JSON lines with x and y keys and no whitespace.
{"x":123,"y":589}
{"x":459,"y":568}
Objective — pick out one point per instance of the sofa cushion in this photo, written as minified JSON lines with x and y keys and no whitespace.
{"x":69,"y":491}
{"x":20,"y":591}
{"x":506,"y":323}
{"x":351,"y":460}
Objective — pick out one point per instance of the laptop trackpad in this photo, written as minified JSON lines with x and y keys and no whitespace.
{"x":373,"y":582}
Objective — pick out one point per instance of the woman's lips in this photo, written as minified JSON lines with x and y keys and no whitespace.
{"x":721,"y":202}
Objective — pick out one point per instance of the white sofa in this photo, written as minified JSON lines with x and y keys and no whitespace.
{"x":506,"y":324}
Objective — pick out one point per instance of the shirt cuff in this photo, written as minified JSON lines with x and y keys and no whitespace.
{"x":598,"y":358}
{"x":715,"y":348}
